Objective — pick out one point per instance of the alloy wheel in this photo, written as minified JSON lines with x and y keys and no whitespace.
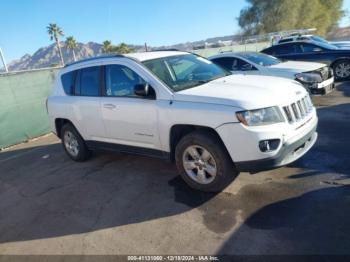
{"x":71,"y":143}
{"x":342,"y":70}
{"x":199,"y":164}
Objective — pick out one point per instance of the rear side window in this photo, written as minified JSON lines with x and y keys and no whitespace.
{"x":285,"y":40}
{"x":67,"y":82}
{"x":284,"y":49}
{"x":88,"y":81}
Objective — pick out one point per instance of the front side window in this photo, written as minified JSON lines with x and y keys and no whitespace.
{"x":261,"y":59}
{"x":234,"y":64}
{"x":241,"y":65}
{"x":225,"y":62}
{"x":88,"y":81}
{"x":184,"y":71}
{"x":309,"y":48}
{"x":121,"y":80}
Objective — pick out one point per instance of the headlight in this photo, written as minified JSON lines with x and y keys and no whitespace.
{"x":308,"y":78}
{"x":259,"y":117}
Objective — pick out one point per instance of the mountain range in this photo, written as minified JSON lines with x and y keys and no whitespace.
{"x":48,"y":56}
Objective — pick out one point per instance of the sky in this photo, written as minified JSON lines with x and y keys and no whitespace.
{"x":157,"y":22}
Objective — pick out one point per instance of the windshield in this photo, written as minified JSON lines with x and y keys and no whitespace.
{"x":261,"y":59}
{"x":185,"y":71}
{"x":326,"y":45}
{"x":319,"y":39}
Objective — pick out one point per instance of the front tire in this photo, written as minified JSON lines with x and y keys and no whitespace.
{"x":341,"y":70}
{"x":203,"y":162}
{"x":74,"y":144}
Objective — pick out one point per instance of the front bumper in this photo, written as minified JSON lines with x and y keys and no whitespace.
{"x":286,"y":155}
{"x":323,"y":88}
{"x":243,"y":143}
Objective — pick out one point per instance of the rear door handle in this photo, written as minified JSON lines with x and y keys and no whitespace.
{"x":109,"y":106}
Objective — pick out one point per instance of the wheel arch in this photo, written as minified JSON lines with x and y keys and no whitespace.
{"x":178,"y":131}
{"x":339,"y":59}
{"x":59,"y":123}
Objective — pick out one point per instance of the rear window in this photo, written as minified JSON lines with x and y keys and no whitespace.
{"x":67,"y":82}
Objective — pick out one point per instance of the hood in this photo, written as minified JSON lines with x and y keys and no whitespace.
{"x":297,"y":66}
{"x":245,"y":91}
{"x":340,"y":43}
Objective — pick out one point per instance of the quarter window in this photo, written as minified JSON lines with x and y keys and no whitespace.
{"x":67,"y":82}
{"x":121,"y":80}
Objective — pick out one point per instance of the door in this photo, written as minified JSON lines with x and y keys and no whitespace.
{"x":86,"y":109}
{"x":310,"y":52}
{"x":129,"y":119}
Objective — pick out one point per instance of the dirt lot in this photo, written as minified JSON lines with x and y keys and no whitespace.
{"x":121,"y":204}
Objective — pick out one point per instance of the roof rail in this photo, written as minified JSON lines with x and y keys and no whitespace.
{"x":166,"y":49}
{"x":94,"y":58}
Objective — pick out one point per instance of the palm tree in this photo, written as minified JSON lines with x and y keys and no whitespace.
{"x":107,"y":47}
{"x":123,"y":49}
{"x":71,"y":45}
{"x":55,"y":32}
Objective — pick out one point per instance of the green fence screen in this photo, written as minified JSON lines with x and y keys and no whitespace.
{"x":23,"y":105}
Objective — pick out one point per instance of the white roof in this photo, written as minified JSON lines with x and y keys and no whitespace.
{"x":153,"y":55}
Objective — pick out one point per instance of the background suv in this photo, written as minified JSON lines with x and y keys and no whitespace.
{"x":182,"y":107}
{"x":337,"y":58}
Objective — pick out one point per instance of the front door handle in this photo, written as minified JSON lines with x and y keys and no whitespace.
{"x":109,"y":106}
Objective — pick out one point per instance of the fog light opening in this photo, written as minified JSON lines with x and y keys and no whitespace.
{"x":269,"y":145}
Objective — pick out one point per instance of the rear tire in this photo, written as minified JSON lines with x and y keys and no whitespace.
{"x":74,"y":144}
{"x":204,"y":163}
{"x":341,"y":70}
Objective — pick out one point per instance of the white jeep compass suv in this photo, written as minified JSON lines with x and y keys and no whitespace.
{"x":182,"y":107}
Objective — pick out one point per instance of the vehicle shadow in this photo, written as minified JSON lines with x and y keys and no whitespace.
{"x":44,"y":194}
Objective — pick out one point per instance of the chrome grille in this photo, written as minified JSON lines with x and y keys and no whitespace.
{"x":298,"y":110}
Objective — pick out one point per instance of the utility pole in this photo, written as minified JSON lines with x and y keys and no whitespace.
{"x":3,"y":61}
{"x":146,"y":48}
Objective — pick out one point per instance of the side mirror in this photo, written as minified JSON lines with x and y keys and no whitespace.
{"x":144,"y":90}
{"x":141,"y":89}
